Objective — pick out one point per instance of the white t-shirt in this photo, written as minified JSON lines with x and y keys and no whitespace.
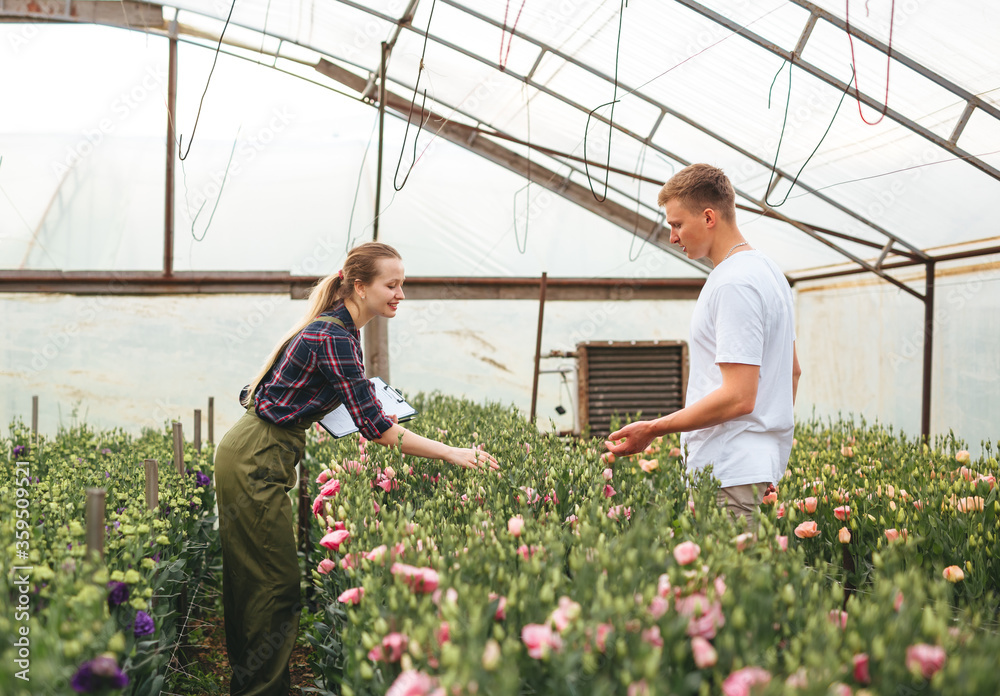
{"x":745,"y":315}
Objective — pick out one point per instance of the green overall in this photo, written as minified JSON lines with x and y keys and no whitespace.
{"x":254,"y":471}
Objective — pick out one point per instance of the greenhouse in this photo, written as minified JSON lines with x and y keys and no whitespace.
{"x":175,"y":179}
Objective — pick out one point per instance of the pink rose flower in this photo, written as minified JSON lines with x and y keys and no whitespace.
{"x":515,"y":525}
{"x":963,"y":456}
{"x":412,"y":683}
{"x":602,"y":635}
{"x":781,"y":511}
{"x":325,"y":566}
{"x":393,"y":646}
{"x":540,"y":640}
{"x":771,"y":498}
{"x":607,"y":474}
{"x":838,"y":617}
{"x":335,"y":539}
{"x":563,"y":614}
{"x":663,"y":585}
{"x":925,"y":659}
{"x":615,"y":511}
{"x":782,"y":542}
{"x":743,"y":540}
{"x":811,"y":504}
{"x":844,"y":535}
{"x":842,"y":513}
{"x":891,"y":534}
{"x":330,"y":488}
{"x":675,"y":452}
{"x":649,"y":465}
{"x":318,"y":504}
{"x":686,"y":552}
{"x":704,"y":653}
{"x":608,"y":491}
{"x":349,"y":561}
{"x":658,"y":607}
{"x":324,"y":476}
{"x":377,"y":554}
{"x":807,"y":530}
{"x":741,"y":681}
{"x":652,"y":636}
{"x":861,"y":673}
{"x":351,"y":596}
{"x":501,"y":612}
{"x":705,"y":617}
{"x":443,"y":633}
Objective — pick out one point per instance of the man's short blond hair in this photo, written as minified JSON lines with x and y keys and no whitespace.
{"x":698,"y":187}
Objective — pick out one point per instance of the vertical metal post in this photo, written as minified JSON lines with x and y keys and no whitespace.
{"x":928,"y":371}
{"x":95,"y":521}
{"x":168,"y":203}
{"x":381,"y":133}
{"x":152,"y":483}
{"x":34,"y":419}
{"x":211,"y":419}
{"x":197,"y":429}
{"x":179,"y":448}
{"x":538,"y":345}
{"x":305,"y":510}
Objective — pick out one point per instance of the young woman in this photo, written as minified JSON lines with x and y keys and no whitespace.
{"x":314,"y":369}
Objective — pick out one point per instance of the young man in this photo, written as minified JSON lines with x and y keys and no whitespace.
{"x":744,"y":370}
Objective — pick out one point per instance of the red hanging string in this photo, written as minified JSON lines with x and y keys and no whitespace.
{"x":505,"y":55}
{"x":888,"y":61}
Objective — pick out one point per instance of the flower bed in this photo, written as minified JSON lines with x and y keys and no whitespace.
{"x":94,"y":627}
{"x":565,"y":574}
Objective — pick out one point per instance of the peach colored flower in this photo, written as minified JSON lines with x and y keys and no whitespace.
{"x":515,"y":525}
{"x":663,"y":585}
{"x":563,"y":614}
{"x":842,"y":513}
{"x":770,"y":498}
{"x":781,"y":510}
{"x":704,"y":653}
{"x":649,"y":465}
{"x":782,"y":542}
{"x":675,"y":452}
{"x":963,"y":456}
{"x":686,"y":552}
{"x":491,"y":655}
{"x":810,"y":505}
{"x":925,"y":659}
{"x":847,"y":451}
{"x":638,"y":688}
{"x":608,"y":458}
{"x":743,"y":540}
{"x":844,"y":535}
{"x":970,"y":504}
{"x":412,"y":682}
{"x":807,"y":530}
{"x":607,"y":474}
{"x":652,"y":636}
{"x":898,"y":602}
{"x":891,"y":534}
{"x":954,"y":574}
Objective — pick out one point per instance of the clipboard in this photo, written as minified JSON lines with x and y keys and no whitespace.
{"x":339,"y":422}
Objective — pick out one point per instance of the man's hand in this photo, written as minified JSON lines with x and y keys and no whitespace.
{"x":636,"y":436}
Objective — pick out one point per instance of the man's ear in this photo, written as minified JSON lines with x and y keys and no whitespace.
{"x":710,"y":217}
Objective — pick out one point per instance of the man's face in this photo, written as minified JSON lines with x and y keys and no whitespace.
{"x":689,"y":230}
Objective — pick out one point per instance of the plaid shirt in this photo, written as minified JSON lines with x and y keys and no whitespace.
{"x":321,"y":368}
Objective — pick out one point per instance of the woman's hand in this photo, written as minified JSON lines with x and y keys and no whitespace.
{"x":471,"y":458}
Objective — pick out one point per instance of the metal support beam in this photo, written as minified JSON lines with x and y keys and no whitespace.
{"x":928,"y":366}
{"x":168,"y":202}
{"x":538,"y":345}
{"x":381,"y":144}
{"x":825,"y":275}
{"x":826,"y":77}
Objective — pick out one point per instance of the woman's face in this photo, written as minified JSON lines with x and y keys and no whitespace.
{"x":381,"y":297}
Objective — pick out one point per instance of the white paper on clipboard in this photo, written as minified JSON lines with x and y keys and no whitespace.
{"x":339,"y":422}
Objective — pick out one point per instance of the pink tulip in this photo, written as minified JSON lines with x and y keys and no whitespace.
{"x":704,"y":617}
{"x":349,"y":561}
{"x":539,"y":640}
{"x":891,"y":534}
{"x":704,"y":653}
{"x":565,"y":613}
{"x":782,"y":542}
{"x":352,"y":596}
{"x":325,"y":566}
{"x":861,"y":673}
{"x":686,"y":552}
{"x":743,"y":540}
{"x":335,"y":539}
{"x":337,"y":525}
{"x":377,"y":554}
{"x":515,"y":525}
{"x":844,"y":535}
{"x":318,"y":504}
{"x":393,"y":646}
{"x":354,"y":467}
{"x":811,"y":504}
{"x":330,"y":488}
{"x":806,"y":530}
{"x":649,"y":465}
{"x":740,"y":682}
{"x":771,"y":498}
{"x":781,"y":511}
{"x":842,"y":513}
{"x":412,"y":683}
{"x":608,"y":491}
{"x":615,"y":511}
{"x":607,"y":474}
{"x":924,"y":658}
{"x":324,"y":476}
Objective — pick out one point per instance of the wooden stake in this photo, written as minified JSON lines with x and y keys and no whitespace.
{"x":179,"y":448}
{"x":211,"y":419}
{"x":197,"y":429}
{"x":152,"y":483}
{"x":95,"y":521}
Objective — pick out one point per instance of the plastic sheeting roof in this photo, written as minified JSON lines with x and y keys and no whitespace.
{"x":667,"y":83}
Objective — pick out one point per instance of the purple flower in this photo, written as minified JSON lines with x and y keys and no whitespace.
{"x":97,"y":674}
{"x":117,"y":593}
{"x":105,"y":451}
{"x":200,"y":478}
{"x":144,"y":625}
{"x":19,"y":450}
{"x":107,"y":474}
